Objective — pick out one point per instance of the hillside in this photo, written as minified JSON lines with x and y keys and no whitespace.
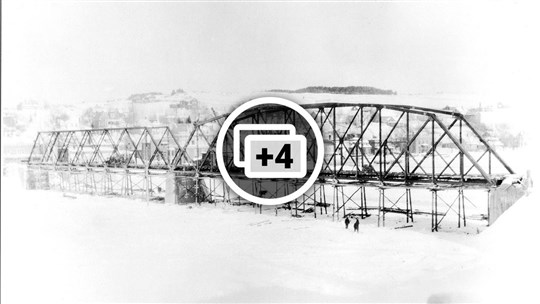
{"x":351,"y":90}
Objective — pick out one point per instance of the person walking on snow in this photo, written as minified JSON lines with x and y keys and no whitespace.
{"x":356,"y":224}
{"x":347,"y":221}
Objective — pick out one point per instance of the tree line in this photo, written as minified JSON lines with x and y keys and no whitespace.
{"x":359,"y":90}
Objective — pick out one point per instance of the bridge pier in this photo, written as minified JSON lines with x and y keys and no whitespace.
{"x":438,"y":214}
{"x":341,"y":199}
{"x":182,"y":189}
{"x":37,"y":179}
{"x":394,"y":208}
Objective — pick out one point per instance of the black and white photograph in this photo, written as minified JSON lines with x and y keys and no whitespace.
{"x":269,"y":151}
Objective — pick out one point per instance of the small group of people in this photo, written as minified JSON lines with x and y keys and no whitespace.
{"x":356,"y":223}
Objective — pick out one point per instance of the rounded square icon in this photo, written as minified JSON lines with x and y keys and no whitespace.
{"x":275,"y":156}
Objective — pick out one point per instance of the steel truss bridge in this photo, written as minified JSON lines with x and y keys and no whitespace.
{"x":368,"y":147}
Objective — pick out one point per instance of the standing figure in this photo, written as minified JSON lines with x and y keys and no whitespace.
{"x":356,"y":224}
{"x":347,"y":221}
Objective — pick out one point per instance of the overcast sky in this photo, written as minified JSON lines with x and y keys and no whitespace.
{"x":90,"y":51}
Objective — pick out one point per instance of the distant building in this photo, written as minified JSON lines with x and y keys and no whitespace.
{"x":163,"y":109}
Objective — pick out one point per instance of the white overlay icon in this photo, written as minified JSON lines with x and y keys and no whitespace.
{"x":258,"y":141}
{"x":270,"y":155}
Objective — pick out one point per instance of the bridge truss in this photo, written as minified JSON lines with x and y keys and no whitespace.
{"x":371,"y":150}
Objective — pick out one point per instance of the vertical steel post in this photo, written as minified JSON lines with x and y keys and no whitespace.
{"x":344,"y":201}
{"x":321,"y":111}
{"x":489,"y":164}
{"x":436,"y":212}
{"x":433,"y":151}
{"x":379,"y":210}
{"x":383,"y":198}
{"x":334,"y":204}
{"x":461,"y":164}
{"x":380,"y":145}
{"x":411,"y":206}
{"x":407,"y":204}
{"x":334,"y":137}
{"x":197,"y":130}
{"x":304,"y":203}
{"x":463,"y":208}
{"x":407,"y":151}
{"x":365,"y":201}
{"x":147,"y":182}
{"x":459,"y":208}
{"x":356,"y":150}
{"x":362,"y":138}
{"x":362,"y":203}
{"x":323,"y":198}
{"x":315,"y":201}
{"x":434,"y":215}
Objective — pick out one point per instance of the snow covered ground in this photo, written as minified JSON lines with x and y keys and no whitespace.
{"x":88,"y":248}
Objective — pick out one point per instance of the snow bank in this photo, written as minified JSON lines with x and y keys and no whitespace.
{"x":86,"y":248}
{"x":511,"y":253}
